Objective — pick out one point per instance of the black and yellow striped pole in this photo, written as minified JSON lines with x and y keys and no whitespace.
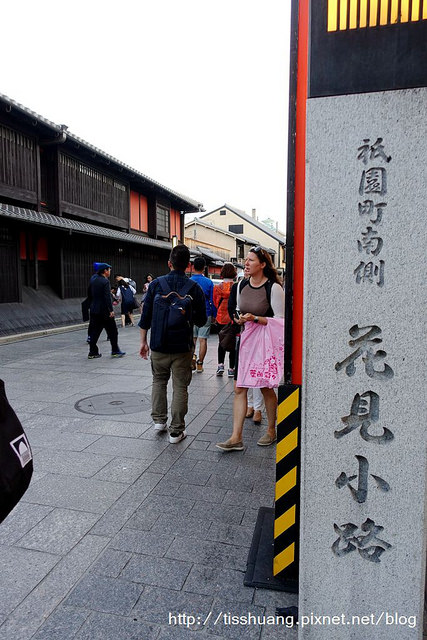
{"x":287,"y":495}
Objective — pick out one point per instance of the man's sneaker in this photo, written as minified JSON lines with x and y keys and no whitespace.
{"x":220,"y":370}
{"x":159,"y":426}
{"x":199,"y":366}
{"x":175,"y":436}
{"x":95,"y":355}
{"x":230,"y":373}
{"x":118,"y":354}
{"x":230,"y":446}
{"x":194,"y":363}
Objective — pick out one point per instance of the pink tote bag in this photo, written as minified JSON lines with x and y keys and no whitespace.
{"x":261,"y":354}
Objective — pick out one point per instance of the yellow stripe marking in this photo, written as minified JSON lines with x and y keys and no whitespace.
{"x":285,"y":521}
{"x":384,"y":12}
{"x":288,"y":444}
{"x":404,"y":11}
{"x":353,"y":13}
{"x":363,"y":13}
{"x":343,"y":15}
{"x":286,"y":483}
{"x":288,"y":406}
{"x":415,"y":15}
{"x":332,"y":15}
{"x":284,"y":559}
{"x":373,"y":13}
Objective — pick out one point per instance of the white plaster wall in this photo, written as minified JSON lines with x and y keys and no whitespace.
{"x":351,"y":585}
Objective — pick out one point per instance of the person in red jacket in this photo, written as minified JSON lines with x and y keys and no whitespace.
{"x":221,"y":294}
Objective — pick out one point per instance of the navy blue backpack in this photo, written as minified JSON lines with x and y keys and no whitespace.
{"x":172,"y":321}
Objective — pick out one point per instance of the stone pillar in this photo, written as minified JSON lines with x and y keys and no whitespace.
{"x":363,"y":464}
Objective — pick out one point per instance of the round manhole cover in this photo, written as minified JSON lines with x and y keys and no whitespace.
{"x":112,"y":404}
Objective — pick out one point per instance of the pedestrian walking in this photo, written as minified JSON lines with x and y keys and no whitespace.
{"x":202,"y":333}
{"x":102,"y":312}
{"x":258,"y":297}
{"x":172,"y":306}
{"x":255,"y":405}
{"x":126,"y":295}
{"x":221,"y":295}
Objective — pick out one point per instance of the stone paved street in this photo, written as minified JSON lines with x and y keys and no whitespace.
{"x":120,"y":530}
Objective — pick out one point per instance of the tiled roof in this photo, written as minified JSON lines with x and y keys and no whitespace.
{"x":48,"y":219}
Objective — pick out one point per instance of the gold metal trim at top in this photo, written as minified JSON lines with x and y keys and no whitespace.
{"x":357,"y":14}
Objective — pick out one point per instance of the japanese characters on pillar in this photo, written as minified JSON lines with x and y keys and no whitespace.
{"x":365,"y":344}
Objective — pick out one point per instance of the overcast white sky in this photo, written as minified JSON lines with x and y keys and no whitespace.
{"x":192,"y":93}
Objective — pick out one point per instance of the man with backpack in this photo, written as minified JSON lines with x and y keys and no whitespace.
{"x":173,"y":305}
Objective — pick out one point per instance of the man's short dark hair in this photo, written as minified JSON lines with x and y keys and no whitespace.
{"x":180,"y":257}
{"x":199,"y":263}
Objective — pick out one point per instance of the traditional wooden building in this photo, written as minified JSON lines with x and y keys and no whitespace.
{"x":65,"y":204}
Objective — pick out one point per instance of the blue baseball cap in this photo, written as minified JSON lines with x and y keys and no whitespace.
{"x":100,"y":266}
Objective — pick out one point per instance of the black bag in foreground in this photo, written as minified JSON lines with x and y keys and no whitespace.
{"x":227,"y":336}
{"x":16,"y":460}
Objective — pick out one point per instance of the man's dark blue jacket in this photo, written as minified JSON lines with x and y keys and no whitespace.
{"x":99,"y":295}
{"x":176,"y":280}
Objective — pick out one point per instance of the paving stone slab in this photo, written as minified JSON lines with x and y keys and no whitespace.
{"x":204,"y":494}
{"x":60,"y":441}
{"x":218,"y":513}
{"x":172,"y":505}
{"x":143,"y":519}
{"x":23,"y":518}
{"x":121,"y":428}
{"x":84,"y":494}
{"x":125,"y":470}
{"x":148,"y":543}
{"x":109,"y":595}
{"x":116,"y":516}
{"x":164,"y":572}
{"x":238,"y":535}
{"x":180,"y":632}
{"x":158,"y":605}
{"x":254,"y":500}
{"x":59,"y":531}
{"x":62,"y":624}
{"x":223,"y":583}
{"x":207,"y":552}
{"x":20,"y":572}
{"x":75,"y":463}
{"x":111,"y":562}
{"x":46,"y":596}
{"x":111,"y":627}
{"x":181,"y":525}
{"x":128,"y":447}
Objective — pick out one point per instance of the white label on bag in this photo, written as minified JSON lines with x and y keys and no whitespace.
{"x":22,"y":449}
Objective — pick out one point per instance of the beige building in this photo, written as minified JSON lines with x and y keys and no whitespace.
{"x":232,"y":232}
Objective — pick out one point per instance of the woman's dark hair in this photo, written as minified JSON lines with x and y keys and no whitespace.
{"x":228,"y":271}
{"x":149,"y":275}
{"x":269,"y":269}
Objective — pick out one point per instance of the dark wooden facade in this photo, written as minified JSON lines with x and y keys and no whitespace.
{"x":43,"y":168}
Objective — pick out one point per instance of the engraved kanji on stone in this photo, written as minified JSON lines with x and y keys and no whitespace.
{"x":366,"y":208}
{"x":364,"y":349}
{"x":369,"y":151}
{"x":364,"y":414}
{"x":373,"y":180}
{"x":370,"y":272}
{"x":361,"y":493}
{"x":369,"y":546}
{"x":371,"y":243}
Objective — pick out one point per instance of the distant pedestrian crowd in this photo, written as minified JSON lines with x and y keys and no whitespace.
{"x":177,"y":315}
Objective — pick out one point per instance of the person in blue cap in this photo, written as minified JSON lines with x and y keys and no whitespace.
{"x":101,"y":312}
